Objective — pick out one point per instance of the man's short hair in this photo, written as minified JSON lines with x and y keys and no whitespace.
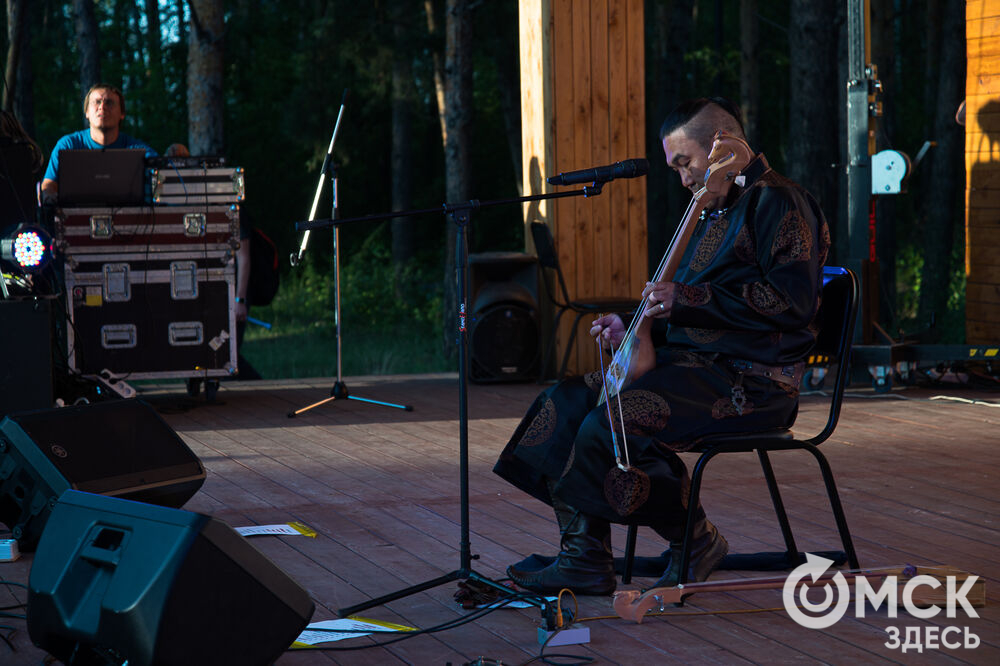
{"x":104,"y":86}
{"x":720,"y":114}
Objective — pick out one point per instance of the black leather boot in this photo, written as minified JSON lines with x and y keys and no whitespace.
{"x":708,"y":547}
{"x":585,"y":564}
{"x":564,"y":515}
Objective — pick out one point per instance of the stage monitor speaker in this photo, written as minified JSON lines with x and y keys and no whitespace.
{"x":120,"y":448}
{"x":504,"y":337}
{"x":115,"y":581}
{"x":26,"y":358}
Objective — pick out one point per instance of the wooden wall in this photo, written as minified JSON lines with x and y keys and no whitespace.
{"x":982,"y":164}
{"x":583,"y":105}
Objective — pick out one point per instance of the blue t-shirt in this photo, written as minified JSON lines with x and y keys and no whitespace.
{"x":81,"y":141}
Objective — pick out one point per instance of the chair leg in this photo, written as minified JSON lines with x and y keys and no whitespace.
{"x":836,"y":506}
{"x":629,"y":554}
{"x":694,"y":499}
{"x":791,"y":551}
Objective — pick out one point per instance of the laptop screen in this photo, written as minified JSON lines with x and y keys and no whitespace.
{"x":102,"y":177}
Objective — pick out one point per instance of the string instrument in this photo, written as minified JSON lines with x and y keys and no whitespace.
{"x":633,"y":605}
{"x":729,"y":155}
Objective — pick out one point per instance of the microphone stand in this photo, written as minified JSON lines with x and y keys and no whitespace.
{"x":460,"y":214}
{"x":339,"y":389}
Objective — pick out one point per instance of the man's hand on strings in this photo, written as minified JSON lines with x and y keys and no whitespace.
{"x":659,"y":298}
{"x":610,"y":330}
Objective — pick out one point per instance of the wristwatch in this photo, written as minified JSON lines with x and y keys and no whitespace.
{"x":240,"y":299}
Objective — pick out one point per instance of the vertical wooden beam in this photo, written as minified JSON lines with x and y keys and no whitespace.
{"x":982,"y":164}
{"x":585,"y":66}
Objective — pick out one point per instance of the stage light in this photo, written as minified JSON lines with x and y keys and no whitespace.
{"x":28,"y":248}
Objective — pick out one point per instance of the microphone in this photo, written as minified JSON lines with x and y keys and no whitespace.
{"x":603,"y":174}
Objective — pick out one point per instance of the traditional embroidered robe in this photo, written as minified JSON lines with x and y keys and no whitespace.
{"x":748,"y":290}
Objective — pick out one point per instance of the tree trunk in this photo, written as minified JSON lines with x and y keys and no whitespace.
{"x":439,"y":83}
{"x":205,"y":67}
{"x":509,"y":91}
{"x":812,"y":143}
{"x":942,"y":196}
{"x":403,"y":233}
{"x":458,"y":130}
{"x":24,"y":97}
{"x":749,"y":69}
{"x":87,"y":42}
{"x":16,"y":27}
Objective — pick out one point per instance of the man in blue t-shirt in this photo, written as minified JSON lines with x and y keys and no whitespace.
{"x":104,"y":106}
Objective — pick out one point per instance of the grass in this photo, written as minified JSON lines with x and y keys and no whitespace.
{"x":380,"y":334}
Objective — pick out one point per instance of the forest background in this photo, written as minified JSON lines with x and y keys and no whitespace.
{"x":433,"y":117}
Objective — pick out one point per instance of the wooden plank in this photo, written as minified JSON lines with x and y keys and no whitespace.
{"x":583,"y":282}
{"x":979,"y":9}
{"x":981,"y":332}
{"x":984,"y":274}
{"x":983,"y":221}
{"x":536,"y":105}
{"x":981,"y":255}
{"x":617,"y":193}
{"x":982,"y":311}
{"x":982,"y":198}
{"x":638,"y":219}
{"x":564,"y":129}
{"x":601,"y":260}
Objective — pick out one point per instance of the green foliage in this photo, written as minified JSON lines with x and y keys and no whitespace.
{"x":380,"y":334}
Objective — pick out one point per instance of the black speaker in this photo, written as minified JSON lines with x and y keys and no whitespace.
{"x":25,"y":355}
{"x":120,"y":448}
{"x":504,"y":334}
{"x":115,"y":581}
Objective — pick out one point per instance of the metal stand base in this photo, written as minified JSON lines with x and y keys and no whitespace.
{"x":340,"y":392}
{"x":458,"y":574}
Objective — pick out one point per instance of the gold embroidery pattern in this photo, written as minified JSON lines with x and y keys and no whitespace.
{"x":724,"y":409}
{"x":626,"y":491}
{"x":794,"y":241}
{"x":594,"y":381}
{"x":645,"y":412}
{"x":704,"y":336}
{"x":690,"y":359}
{"x":569,"y":460}
{"x":763,"y":299}
{"x":744,"y":247}
{"x":694,"y":295}
{"x":824,"y":242}
{"x":542,"y":426}
{"x":709,"y":244}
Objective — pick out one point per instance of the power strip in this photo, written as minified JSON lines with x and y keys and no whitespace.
{"x":574,"y":634}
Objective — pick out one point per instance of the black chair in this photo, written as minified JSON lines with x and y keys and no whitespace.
{"x":838,"y":310}
{"x":547,"y":258}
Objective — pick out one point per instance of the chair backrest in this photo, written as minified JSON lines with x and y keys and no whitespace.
{"x":545,"y":246}
{"x":838,"y":313}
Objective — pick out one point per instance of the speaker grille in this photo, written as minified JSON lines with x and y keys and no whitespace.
{"x":504,"y":343}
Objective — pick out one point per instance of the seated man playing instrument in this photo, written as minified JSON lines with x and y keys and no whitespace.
{"x":739,"y":316}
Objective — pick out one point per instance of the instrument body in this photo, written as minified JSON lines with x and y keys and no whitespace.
{"x":633,"y":604}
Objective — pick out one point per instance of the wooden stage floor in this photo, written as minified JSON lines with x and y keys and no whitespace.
{"x":918,"y":478}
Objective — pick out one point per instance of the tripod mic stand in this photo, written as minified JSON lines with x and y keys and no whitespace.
{"x":339,"y":389}
{"x":461,"y":215}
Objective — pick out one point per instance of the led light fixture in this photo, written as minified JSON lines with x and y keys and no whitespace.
{"x":28,"y":248}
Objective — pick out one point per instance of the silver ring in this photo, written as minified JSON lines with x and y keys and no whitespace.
{"x":661,"y":307}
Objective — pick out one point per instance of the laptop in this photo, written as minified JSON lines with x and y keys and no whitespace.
{"x":112,"y":177}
